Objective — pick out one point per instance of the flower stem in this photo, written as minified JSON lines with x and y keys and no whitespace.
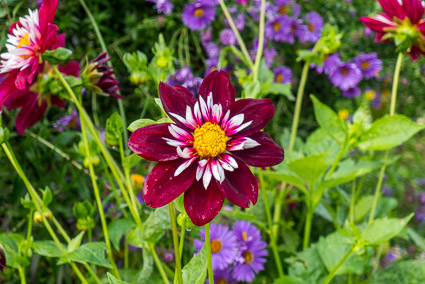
{"x":269,"y":221}
{"x":208,"y":244}
{"x":307,"y":226}
{"x":237,"y":34}
{"x":176,"y":243}
{"x":392,"y":112}
{"x":352,"y":201}
{"x":105,"y":49}
{"x":158,"y":264}
{"x":331,"y":274}
{"x":22,"y":275}
{"x":182,"y":233}
{"x":260,"y":41}
{"x":99,"y":202}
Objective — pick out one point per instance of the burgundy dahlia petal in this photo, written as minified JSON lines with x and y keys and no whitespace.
{"x":393,"y":8}
{"x":259,"y":111}
{"x":240,"y":186}
{"x":218,"y":82}
{"x":72,"y":68}
{"x":175,"y":100}
{"x":49,"y":37}
{"x":414,"y":10}
{"x":7,"y":86}
{"x":162,"y":187}
{"x":148,"y":143}
{"x":2,"y":259}
{"x":60,"y":41}
{"x":203,"y":205}
{"x":31,"y":112}
{"x":17,"y":99}
{"x":375,"y":24}
{"x":267,"y":154}
{"x":47,"y":14}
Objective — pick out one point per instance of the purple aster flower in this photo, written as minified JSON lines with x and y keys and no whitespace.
{"x":390,"y":258}
{"x":238,"y":18}
{"x":314,"y":27}
{"x":367,"y":31}
{"x":228,"y":37}
{"x":211,"y":65}
{"x":282,"y":75}
{"x":294,"y":29}
{"x":223,"y":277}
{"x":277,"y":28}
{"x":269,"y":55}
{"x":246,"y":232}
{"x":387,"y":191}
{"x":223,"y":246}
{"x":71,"y":121}
{"x":369,"y":64}
{"x":193,"y":85}
{"x":329,"y":64}
{"x":346,"y":76}
{"x":352,"y":92}
{"x":376,"y":103}
{"x":198,"y":15}
{"x":287,"y":7}
{"x":182,"y":75}
{"x":164,"y":6}
{"x":206,"y":36}
{"x":251,"y":260}
{"x":421,"y":181}
{"x":168,"y":257}
{"x":213,"y":50}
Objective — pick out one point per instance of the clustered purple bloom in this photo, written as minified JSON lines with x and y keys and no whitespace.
{"x":282,"y":75}
{"x":238,"y":254}
{"x":71,"y":121}
{"x":184,"y":77}
{"x":199,"y":14}
{"x":163,"y":6}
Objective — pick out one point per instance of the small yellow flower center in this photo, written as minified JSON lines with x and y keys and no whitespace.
{"x":370,"y":95}
{"x":343,"y":114}
{"x":283,"y":9}
{"x":213,"y":69}
{"x":216,"y":246}
{"x":210,"y":140}
{"x":249,"y":257}
{"x":345,"y":71}
{"x":244,"y":236}
{"x":279,"y":78}
{"x":276,"y":26}
{"x":311,"y":28}
{"x":199,"y":13}
{"x":221,"y":280}
{"x":365,"y":65}
{"x":24,"y":40}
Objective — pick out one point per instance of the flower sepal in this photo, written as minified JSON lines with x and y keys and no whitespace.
{"x":405,"y":35}
{"x":4,"y":135}
{"x":114,"y":130}
{"x":57,"y":56}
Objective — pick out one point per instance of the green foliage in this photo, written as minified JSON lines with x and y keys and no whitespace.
{"x":118,"y":228}
{"x":113,"y":280}
{"x":384,"y":229}
{"x":57,"y":56}
{"x":139,"y":124}
{"x":114,"y":130}
{"x":403,"y":272}
{"x":195,"y":271}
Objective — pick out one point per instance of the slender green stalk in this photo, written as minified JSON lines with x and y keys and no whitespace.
{"x":29,"y":231}
{"x":105,"y":49}
{"x":158,"y":264}
{"x":176,"y":243}
{"x":208,"y":244}
{"x":182,"y":233}
{"x":237,"y":34}
{"x":125,"y":255}
{"x":269,"y":221}
{"x":99,"y":202}
{"x":352,"y":201}
{"x":307,"y":226}
{"x":22,"y":275}
{"x":392,"y":112}
{"x":331,"y":274}
{"x":260,"y":41}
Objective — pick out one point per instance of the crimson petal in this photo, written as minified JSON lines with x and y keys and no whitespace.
{"x":148,"y":142}
{"x":47,"y":14}
{"x":203,"y":205}
{"x":162,"y":186}
{"x":267,"y":154}
{"x":240,"y":186}
{"x":414,"y":10}
{"x":218,"y":82}
{"x":7,"y":86}
{"x":72,"y":68}
{"x":259,"y":111}
{"x":377,"y":25}
{"x":393,"y":8}
{"x":31,"y":112}
{"x":175,"y":100}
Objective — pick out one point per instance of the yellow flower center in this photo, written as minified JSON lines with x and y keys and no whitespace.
{"x":210,"y":140}
{"x":216,"y":246}
{"x":365,"y":65}
{"x":249,"y":257}
{"x":311,"y":28}
{"x":221,"y":280}
{"x":199,"y":13}
{"x":370,"y":95}
{"x":345,"y":71}
{"x":24,"y":40}
{"x":283,"y":9}
{"x":343,"y":114}
{"x":276,"y":26}
{"x":244,"y":236}
{"x":279,"y":78}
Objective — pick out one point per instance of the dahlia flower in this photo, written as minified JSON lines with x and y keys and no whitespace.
{"x":402,"y":21}
{"x":28,"y":39}
{"x":205,"y":152}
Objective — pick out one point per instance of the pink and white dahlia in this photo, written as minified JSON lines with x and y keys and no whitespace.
{"x":205,"y":153}
{"x":28,"y":39}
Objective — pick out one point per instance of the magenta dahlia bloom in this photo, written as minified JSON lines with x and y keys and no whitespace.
{"x":204,"y":154}
{"x":198,"y":15}
{"x":402,"y":19}
{"x":369,"y":64}
{"x":282,"y":75}
{"x":346,"y":76}
{"x":223,"y":246}
{"x":28,"y":39}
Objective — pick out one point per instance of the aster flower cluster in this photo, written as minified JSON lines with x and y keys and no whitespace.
{"x":238,"y":254}
{"x":347,"y":75}
{"x":184,"y":77}
{"x":163,"y":6}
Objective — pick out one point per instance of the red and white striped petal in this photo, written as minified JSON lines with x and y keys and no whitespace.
{"x":207,"y":175}
{"x":204,"y":109}
{"x":197,"y":113}
{"x":179,"y":133}
{"x":241,"y":144}
{"x":175,"y":143}
{"x":217,"y":171}
{"x":184,"y":166}
{"x":186,"y":153}
{"x":216,"y":114}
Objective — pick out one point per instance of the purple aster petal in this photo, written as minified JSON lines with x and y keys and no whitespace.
{"x":282,"y":75}
{"x":352,"y":92}
{"x":346,"y":76}
{"x":228,"y":37}
{"x":314,"y":26}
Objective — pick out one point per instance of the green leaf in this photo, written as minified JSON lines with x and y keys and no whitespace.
{"x":156,"y":225}
{"x":114,"y":130}
{"x":309,"y":56}
{"x":286,"y":175}
{"x":252,"y":90}
{"x":279,"y":89}
{"x":117,"y":228}
{"x":47,"y":196}
{"x":265,"y":75}
{"x":93,"y":253}
{"x":329,"y":121}
{"x":113,"y":280}
{"x":389,"y":132}
{"x":196,"y":270}
{"x":384,"y":229}
{"x":47,"y":248}
{"x":310,"y":169}
{"x":320,"y":142}
{"x":75,"y":242}
{"x":289,"y":280}
{"x":308,"y":266}
{"x":131,"y":161}
{"x":147,"y":269}
{"x":10,"y":243}
{"x":57,"y":56}
{"x":416,"y":238}
{"x":403,"y":272}
{"x":139,"y":124}
{"x":362,"y":207}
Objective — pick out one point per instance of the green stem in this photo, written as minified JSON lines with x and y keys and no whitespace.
{"x":90,"y":235}
{"x":337,"y":160}
{"x":208,"y":244}
{"x":237,"y":34}
{"x":260,"y":41}
{"x":182,"y":233}
{"x":158,"y":264}
{"x":29,"y":231}
{"x":176,"y":243}
{"x":352,"y":201}
{"x":105,"y":49}
{"x":22,"y":275}
{"x":331,"y":274}
{"x":125,"y":255}
{"x":269,"y":221}
{"x":307,"y":226}
{"x":392,"y":112}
